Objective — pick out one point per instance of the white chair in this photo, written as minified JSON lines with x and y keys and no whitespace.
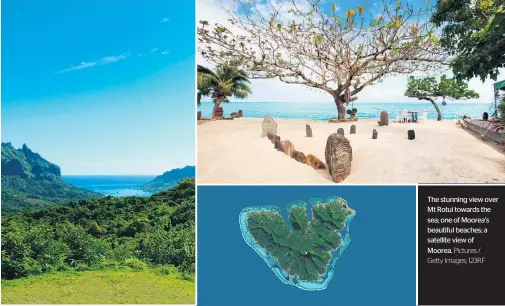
{"x":399,"y":117}
{"x":405,"y":116}
{"x":423,"y":117}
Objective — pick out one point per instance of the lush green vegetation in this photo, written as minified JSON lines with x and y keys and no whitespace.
{"x":305,"y":249}
{"x":31,"y":182}
{"x":226,"y":81}
{"x":169,"y":179}
{"x":163,"y":285}
{"x":430,"y":89}
{"x":474,"y":32}
{"x":105,"y":233}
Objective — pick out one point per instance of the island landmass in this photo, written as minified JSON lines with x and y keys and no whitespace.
{"x":302,"y":251}
{"x":30,"y":182}
{"x":169,"y":179}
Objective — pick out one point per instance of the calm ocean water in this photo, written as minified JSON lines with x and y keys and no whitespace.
{"x":114,"y":185}
{"x":326,"y":110}
{"x":377,"y":268}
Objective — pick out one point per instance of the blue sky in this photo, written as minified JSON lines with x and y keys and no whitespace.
{"x":100,"y":87}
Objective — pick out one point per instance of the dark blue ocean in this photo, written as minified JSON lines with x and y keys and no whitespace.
{"x":366,"y":110}
{"x":114,"y":185}
{"x":377,"y":268}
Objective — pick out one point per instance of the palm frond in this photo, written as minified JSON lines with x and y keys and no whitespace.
{"x":243,"y":87}
{"x":224,"y":82}
{"x":202,"y":69}
{"x":240,"y":94}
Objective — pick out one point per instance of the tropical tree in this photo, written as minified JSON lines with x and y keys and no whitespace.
{"x":202,"y":83}
{"x":305,"y":42}
{"x":474,"y":32}
{"x":226,"y":81}
{"x":430,"y":89}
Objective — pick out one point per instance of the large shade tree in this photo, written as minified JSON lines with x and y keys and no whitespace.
{"x":224,"y":82}
{"x":431,"y":89}
{"x":474,"y":33}
{"x":309,"y":42}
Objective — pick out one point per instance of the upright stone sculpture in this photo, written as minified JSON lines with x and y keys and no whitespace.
{"x":199,"y":115}
{"x":240,"y":113}
{"x":411,"y":134}
{"x":277,"y":143}
{"x":308,"y":130}
{"x":374,"y":134}
{"x":270,"y":136}
{"x":340,"y":131}
{"x":314,"y":162}
{"x":275,"y":138}
{"x":268,"y":126}
{"x":288,"y":148}
{"x":299,"y":157}
{"x":384,"y":118}
{"x":338,"y":155}
{"x":353,"y":129}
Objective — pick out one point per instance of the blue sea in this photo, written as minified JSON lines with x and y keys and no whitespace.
{"x":327,"y":110}
{"x":377,"y":268}
{"x":113,"y":185}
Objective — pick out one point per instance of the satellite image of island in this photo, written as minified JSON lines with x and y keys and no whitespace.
{"x":301,"y":250}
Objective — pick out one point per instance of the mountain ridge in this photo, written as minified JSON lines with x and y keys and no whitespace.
{"x":169,"y":179}
{"x":30,"y":182}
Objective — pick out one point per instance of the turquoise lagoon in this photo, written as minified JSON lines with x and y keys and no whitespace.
{"x":326,"y":110}
{"x":272,"y":263}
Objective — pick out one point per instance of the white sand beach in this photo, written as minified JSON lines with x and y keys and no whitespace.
{"x":233,"y":152}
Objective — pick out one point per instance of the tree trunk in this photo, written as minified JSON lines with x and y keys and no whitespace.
{"x":439,"y":113}
{"x":340,"y":108}
{"x":216,"y":105}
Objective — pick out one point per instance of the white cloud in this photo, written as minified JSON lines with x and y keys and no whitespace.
{"x":102,"y":61}
{"x":153,"y":50}
{"x":113,"y":59}
{"x":163,"y":20}
{"x":273,"y":90}
{"x":164,"y":52}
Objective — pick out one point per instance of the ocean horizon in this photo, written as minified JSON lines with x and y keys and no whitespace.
{"x":327,"y":110}
{"x":112,"y":185}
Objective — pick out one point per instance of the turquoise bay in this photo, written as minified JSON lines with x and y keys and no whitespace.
{"x":112,"y":185}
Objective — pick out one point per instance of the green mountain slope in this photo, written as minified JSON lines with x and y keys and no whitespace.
{"x":101,"y":234}
{"x":169,"y":179}
{"x":31,"y":182}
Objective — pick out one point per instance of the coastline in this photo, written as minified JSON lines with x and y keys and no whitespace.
{"x":233,"y":152}
{"x":272,"y":262}
{"x":112,"y":185}
{"x":366,"y":110}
